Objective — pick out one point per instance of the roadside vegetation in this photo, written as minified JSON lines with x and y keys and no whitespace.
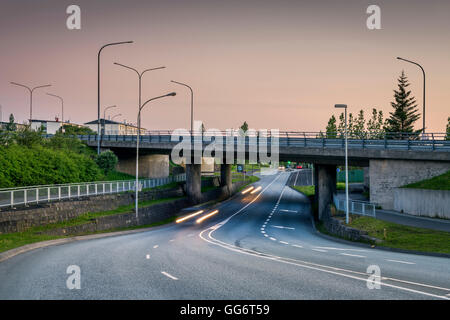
{"x":441,"y":182}
{"x":398,"y":236}
{"x":27,"y":159}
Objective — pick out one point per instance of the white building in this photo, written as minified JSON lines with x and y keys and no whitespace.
{"x":110,"y":127}
{"x":50,"y":126}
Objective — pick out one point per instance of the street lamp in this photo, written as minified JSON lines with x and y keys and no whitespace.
{"x":98,"y":88}
{"x":137,"y":145}
{"x":62,"y":108}
{"x":344,"y":106}
{"x":104,"y":117}
{"x":192,"y":101}
{"x":116,"y":115}
{"x":423,"y":71}
{"x":31,"y":90}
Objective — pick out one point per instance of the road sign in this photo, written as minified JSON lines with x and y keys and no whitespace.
{"x":240,"y":168}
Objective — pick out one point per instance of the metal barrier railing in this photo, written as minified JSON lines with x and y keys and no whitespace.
{"x":363,"y":208}
{"x":37,"y":194}
{"x":366,"y":140}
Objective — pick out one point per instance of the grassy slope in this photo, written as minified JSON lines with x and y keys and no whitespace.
{"x":441,"y":182}
{"x":404,"y":237}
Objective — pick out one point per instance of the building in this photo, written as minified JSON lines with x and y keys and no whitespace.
{"x":110,"y":127}
{"x":50,"y":126}
{"x":19,"y":126}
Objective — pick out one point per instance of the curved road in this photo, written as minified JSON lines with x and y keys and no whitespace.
{"x":259,"y":246}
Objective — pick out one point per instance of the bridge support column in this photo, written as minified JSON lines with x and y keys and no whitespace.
{"x":326,"y":185}
{"x":194,"y":182}
{"x":226,"y":178}
{"x":150,"y":166}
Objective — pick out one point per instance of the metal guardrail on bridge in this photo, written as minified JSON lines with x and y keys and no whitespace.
{"x":45,"y":193}
{"x":363,"y":208}
{"x":390,"y":141}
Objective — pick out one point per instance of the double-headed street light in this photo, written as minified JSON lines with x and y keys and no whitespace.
{"x":423,"y":72}
{"x":116,"y":115}
{"x":192,"y":101}
{"x":344,"y":106}
{"x":31,"y":90}
{"x":137,"y":145}
{"x":98,"y":88}
{"x":104,"y":118}
{"x":62,"y":107}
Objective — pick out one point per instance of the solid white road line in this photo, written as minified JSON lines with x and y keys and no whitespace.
{"x":398,"y":261}
{"x":319,"y":250}
{"x":352,"y":255}
{"x":169,"y":275}
{"x":343,"y":249}
{"x":284,"y":210}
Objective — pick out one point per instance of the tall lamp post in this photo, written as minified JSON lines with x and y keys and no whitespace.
{"x":344,"y":106}
{"x":116,"y":115}
{"x":192,"y":101}
{"x":423,"y":72}
{"x":62,"y":109}
{"x":98,"y":88}
{"x":104,"y":117}
{"x":137,"y":145}
{"x":31,"y":90}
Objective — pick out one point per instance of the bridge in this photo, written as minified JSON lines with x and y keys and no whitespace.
{"x":390,"y":160}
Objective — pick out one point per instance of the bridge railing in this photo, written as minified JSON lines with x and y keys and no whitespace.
{"x":363,"y":208}
{"x":11,"y":197}
{"x":366,"y":140}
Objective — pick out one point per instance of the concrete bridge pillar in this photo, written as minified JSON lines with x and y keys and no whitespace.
{"x":226,"y":178}
{"x":326,"y":185}
{"x":150,"y":166}
{"x":194,"y":182}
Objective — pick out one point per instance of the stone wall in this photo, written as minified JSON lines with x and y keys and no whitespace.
{"x":422,"y":202}
{"x":53,"y":212}
{"x":386,"y":175}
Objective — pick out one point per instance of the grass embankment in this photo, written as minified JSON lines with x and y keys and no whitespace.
{"x":441,"y":182}
{"x":403,"y":237}
{"x":393,"y":235}
{"x":310,"y":190}
{"x":35,"y":234}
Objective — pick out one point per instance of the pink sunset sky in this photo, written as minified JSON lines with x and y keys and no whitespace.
{"x":275,"y":64}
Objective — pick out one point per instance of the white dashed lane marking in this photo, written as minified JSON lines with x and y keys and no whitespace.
{"x":281,"y":227}
{"x":352,"y":255}
{"x":284,"y":242}
{"x":319,"y":250}
{"x":297,"y":246}
{"x":398,"y":261}
{"x":147,"y":256}
{"x":155,"y":246}
{"x":169,"y":275}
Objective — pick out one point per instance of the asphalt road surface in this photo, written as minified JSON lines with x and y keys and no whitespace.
{"x":258,"y":246}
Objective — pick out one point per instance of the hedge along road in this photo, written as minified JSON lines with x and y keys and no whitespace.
{"x":258,"y":245}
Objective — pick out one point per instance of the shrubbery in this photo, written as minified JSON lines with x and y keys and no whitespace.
{"x":26,"y":159}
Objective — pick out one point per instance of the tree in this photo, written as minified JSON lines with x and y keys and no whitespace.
{"x":375,"y":125}
{"x":244,"y":126}
{"x":448,"y":129}
{"x":341,"y":126}
{"x":107,"y":161}
{"x":405,"y":112}
{"x":331,"y":129}
{"x":359,"y":126}
{"x":75,"y":130}
{"x":11,"y":125}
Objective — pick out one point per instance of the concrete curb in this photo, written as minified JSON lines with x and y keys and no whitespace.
{"x":42,"y":244}
{"x":368,"y":246}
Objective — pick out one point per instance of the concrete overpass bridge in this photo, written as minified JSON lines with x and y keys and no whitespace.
{"x":392,"y":160}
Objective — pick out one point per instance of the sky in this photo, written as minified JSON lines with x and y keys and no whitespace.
{"x":275,"y":64}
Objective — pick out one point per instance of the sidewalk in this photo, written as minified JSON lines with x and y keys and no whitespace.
{"x":403,"y":218}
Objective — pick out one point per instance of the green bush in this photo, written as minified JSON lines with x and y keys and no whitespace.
{"x":107,"y":161}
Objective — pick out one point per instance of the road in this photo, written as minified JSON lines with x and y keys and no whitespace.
{"x":259,"y":246}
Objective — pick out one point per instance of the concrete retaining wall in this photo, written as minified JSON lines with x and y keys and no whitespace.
{"x":387,"y":175}
{"x":422,"y":202}
{"x":53,"y":212}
